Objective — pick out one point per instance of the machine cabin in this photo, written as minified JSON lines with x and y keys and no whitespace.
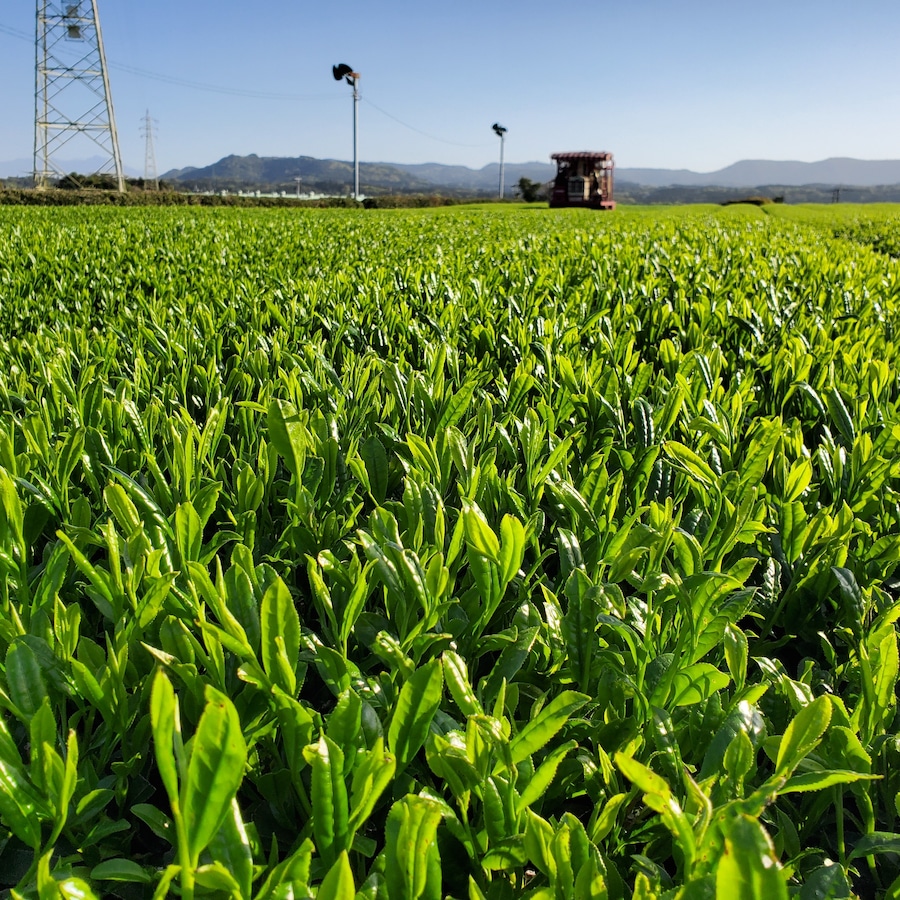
{"x":583,"y":179}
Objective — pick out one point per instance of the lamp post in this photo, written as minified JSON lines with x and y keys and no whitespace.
{"x":500,"y":131}
{"x":342,"y":70}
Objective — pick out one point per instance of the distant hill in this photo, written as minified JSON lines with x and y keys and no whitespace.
{"x":485,"y":179}
{"x":256,"y":172}
{"x":750,"y":172}
{"x":280,"y":173}
{"x":678,"y":194}
{"x":16,"y":168}
{"x":277,"y":173}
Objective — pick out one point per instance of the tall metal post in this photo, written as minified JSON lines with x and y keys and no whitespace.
{"x":355,"y":133}
{"x":500,"y":131}
{"x":72,"y":94}
{"x":345,"y":72}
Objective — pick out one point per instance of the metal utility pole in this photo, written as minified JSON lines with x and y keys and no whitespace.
{"x":150,"y":175}
{"x":72,"y":95}
{"x":342,"y":70}
{"x":356,"y":137}
{"x":500,"y":131}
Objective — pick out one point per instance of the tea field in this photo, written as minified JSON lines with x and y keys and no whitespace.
{"x":464,"y":553}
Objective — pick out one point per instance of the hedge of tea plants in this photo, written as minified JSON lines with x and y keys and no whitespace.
{"x":469,"y":554}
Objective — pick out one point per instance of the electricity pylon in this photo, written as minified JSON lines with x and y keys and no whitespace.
{"x":72,"y":95}
{"x":150,"y":176}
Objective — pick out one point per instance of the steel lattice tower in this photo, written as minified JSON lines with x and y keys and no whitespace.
{"x":150,"y":176}
{"x":72,"y":95}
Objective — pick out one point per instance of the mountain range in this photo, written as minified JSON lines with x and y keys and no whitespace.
{"x":247,"y":171}
{"x":255,"y":171}
{"x":332,"y":175}
{"x":835,"y":172}
{"x":335,"y":176}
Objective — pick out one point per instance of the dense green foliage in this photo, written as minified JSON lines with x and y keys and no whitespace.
{"x":460,"y":553}
{"x":877,"y":227}
{"x":132,"y":198}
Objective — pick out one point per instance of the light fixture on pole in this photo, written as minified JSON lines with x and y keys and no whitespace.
{"x":500,"y":131}
{"x":343,"y":71}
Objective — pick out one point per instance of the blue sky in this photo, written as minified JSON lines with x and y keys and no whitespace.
{"x":693,"y":84}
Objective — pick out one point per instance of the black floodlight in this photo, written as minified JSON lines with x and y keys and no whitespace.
{"x":499,"y":130}
{"x":342,"y":70}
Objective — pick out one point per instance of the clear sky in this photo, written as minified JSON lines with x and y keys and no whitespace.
{"x":694,"y":84}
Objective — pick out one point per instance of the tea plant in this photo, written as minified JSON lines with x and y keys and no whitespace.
{"x":459,"y":554}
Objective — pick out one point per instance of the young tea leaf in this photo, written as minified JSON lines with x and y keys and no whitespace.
{"x":748,"y":868}
{"x":419,"y":700}
{"x":802,"y":735}
{"x":215,"y":771}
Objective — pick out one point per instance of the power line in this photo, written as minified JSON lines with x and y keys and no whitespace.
{"x":14,"y":32}
{"x":216,"y":88}
{"x":432,"y":137}
{"x":184,"y":82}
{"x":244,"y":92}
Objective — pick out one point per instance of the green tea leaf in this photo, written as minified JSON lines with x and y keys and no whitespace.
{"x":753,"y":465}
{"x":817,"y":781}
{"x":546,"y":725}
{"x":696,"y":683}
{"x":748,"y":868}
{"x":215,"y":877}
{"x":411,"y":828}
{"x":736,"y":654}
{"x":376,"y":463}
{"x":512,"y":548}
{"x":288,"y":435}
{"x":419,"y":700}
{"x":280,"y":636}
{"x":457,"y":677}
{"x":543,"y":776}
{"x":121,"y":870}
{"x":25,"y":679}
{"x":215,"y":770}
{"x":73,"y":888}
{"x":876,"y":842}
{"x":329,"y":799}
{"x":231,"y":849}
{"x":188,"y":532}
{"x":479,"y":535}
{"x":828,"y":882}
{"x":803,"y":735}
{"x":371,"y":777}
{"x":840,"y":416}
{"x":19,"y":805}
{"x":338,"y":883}
{"x":164,"y":720}
{"x":159,"y":823}
{"x":687,"y":460}
{"x":644,"y":778}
